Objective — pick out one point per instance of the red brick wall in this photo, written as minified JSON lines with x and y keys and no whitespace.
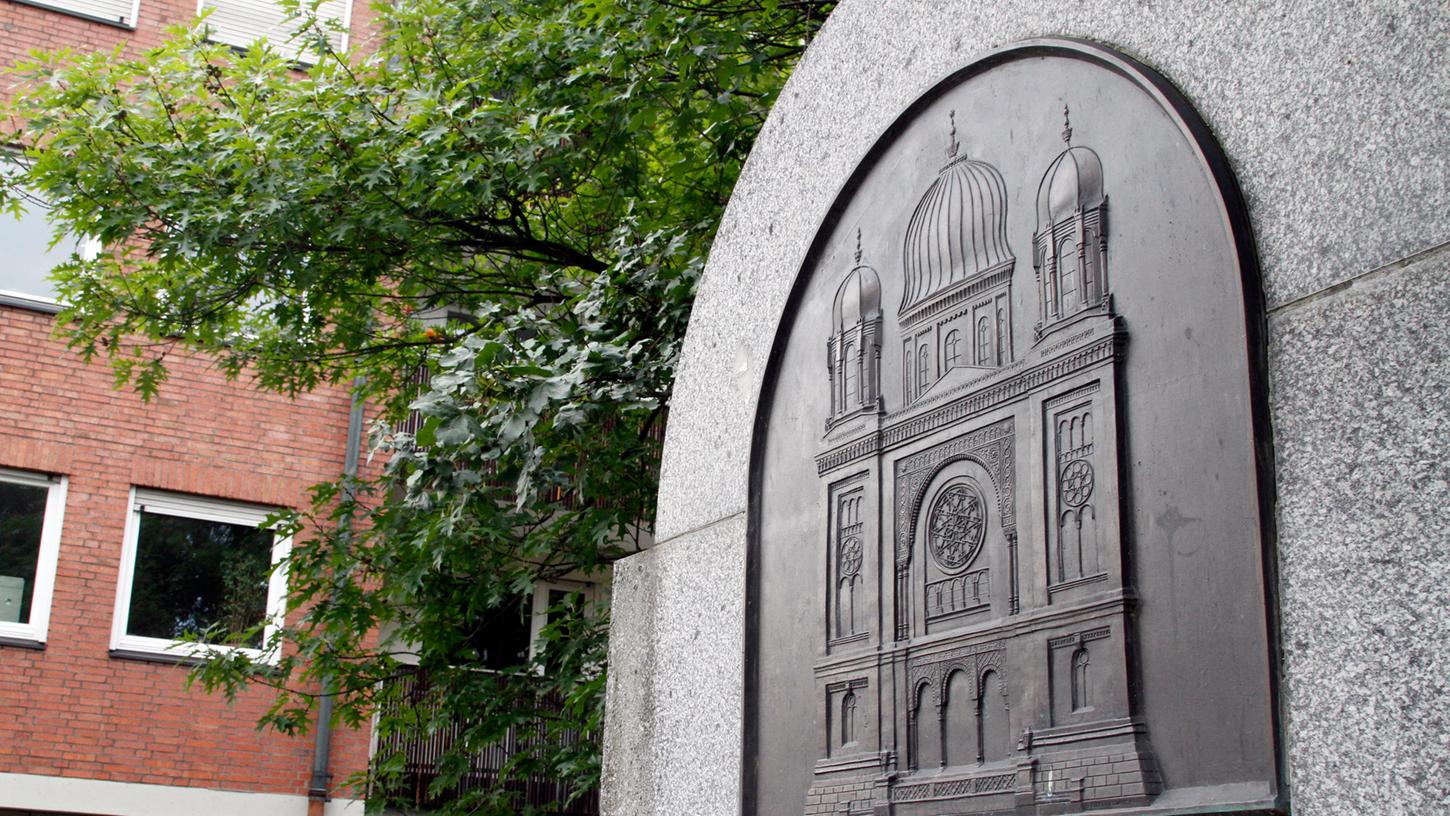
{"x":72,"y":710}
{"x":24,"y":27}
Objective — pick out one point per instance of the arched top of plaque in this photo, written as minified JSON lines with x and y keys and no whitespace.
{"x":1010,"y":527}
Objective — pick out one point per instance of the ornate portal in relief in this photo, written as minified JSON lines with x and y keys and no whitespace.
{"x":975,"y":636}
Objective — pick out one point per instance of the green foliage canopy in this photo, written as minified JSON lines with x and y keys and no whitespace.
{"x":550,"y":174}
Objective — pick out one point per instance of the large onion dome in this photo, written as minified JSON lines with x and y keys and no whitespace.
{"x":1073,"y":182}
{"x":958,"y":231}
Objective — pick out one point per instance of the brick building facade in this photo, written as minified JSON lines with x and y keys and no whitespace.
{"x":96,"y":716}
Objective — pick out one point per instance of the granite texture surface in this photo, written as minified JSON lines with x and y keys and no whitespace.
{"x":1333,"y":114}
{"x":673,"y":731}
{"x":1359,"y":399}
{"x":1336,"y":119}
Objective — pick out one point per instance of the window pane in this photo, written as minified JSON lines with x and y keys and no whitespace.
{"x":22,"y":515}
{"x":28,"y":256}
{"x":28,"y":259}
{"x":563,"y":605}
{"x":502,"y":636}
{"x":192,"y":574}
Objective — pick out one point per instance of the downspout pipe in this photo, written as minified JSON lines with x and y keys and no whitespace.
{"x":318,"y":787}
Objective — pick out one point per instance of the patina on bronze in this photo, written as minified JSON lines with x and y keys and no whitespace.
{"x":1010,"y":511}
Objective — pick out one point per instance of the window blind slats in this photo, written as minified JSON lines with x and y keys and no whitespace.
{"x":242,"y":22}
{"x":116,"y":11}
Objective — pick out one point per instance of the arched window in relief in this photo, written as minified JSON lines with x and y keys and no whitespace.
{"x":1001,"y":336}
{"x":1080,"y":680}
{"x":1069,"y":545}
{"x":959,"y":721}
{"x":848,"y":570}
{"x":848,"y":718}
{"x":951,"y":355}
{"x":1051,"y":294}
{"x":850,"y":365}
{"x":924,"y":730}
{"x":923,"y":367}
{"x":1067,"y":263}
{"x":984,"y":341}
{"x":1087,"y":429}
{"x":994,"y":732}
{"x":838,"y":370}
{"x":910,"y":386}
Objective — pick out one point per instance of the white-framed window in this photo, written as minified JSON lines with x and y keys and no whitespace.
{"x":32,"y":508}
{"x":116,"y":12}
{"x":29,"y":254}
{"x":550,"y":594}
{"x":240,"y":23}
{"x":197,"y":567}
{"x":509,"y":636}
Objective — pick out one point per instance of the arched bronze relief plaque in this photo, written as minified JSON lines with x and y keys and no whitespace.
{"x":1009,"y":540}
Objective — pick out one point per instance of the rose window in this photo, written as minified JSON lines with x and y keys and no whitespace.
{"x":850,"y":557}
{"x":1076,"y":483}
{"x":958,"y":523}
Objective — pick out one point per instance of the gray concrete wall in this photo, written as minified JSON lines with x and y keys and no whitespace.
{"x":1336,"y":117}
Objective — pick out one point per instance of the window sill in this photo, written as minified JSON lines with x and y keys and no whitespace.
{"x":190,"y":661}
{"x":121,"y":24}
{"x":152,"y":657}
{"x":22,"y":643}
{"x":180,"y":652}
{"x":34,"y":304}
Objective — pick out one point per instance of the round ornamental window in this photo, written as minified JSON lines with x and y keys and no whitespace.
{"x":956,"y":526}
{"x":849,"y":558}
{"x":1076,"y":483}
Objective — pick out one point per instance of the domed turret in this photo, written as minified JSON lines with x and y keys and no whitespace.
{"x":853,"y":352}
{"x":1070,"y":246}
{"x":1074,"y":182}
{"x":857,"y":300}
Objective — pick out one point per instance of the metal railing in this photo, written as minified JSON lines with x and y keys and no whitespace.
{"x":423,"y":751}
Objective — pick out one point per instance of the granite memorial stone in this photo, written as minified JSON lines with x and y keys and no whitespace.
{"x":1023,"y":356}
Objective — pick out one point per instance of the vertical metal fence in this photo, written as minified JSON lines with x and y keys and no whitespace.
{"x":422,"y":752}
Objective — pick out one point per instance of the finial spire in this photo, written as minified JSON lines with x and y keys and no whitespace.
{"x":1066,"y":127}
{"x":858,"y":246}
{"x":953,"y":146}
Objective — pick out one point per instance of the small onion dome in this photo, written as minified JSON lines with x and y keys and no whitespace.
{"x":858,"y":299}
{"x":1074,"y":182}
{"x":958,"y":231}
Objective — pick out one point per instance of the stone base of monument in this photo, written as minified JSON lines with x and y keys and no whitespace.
{"x":1058,"y":774}
{"x":1101,"y":777}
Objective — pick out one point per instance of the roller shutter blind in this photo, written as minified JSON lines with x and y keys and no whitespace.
{"x":112,"y":11}
{"x":242,"y":22}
